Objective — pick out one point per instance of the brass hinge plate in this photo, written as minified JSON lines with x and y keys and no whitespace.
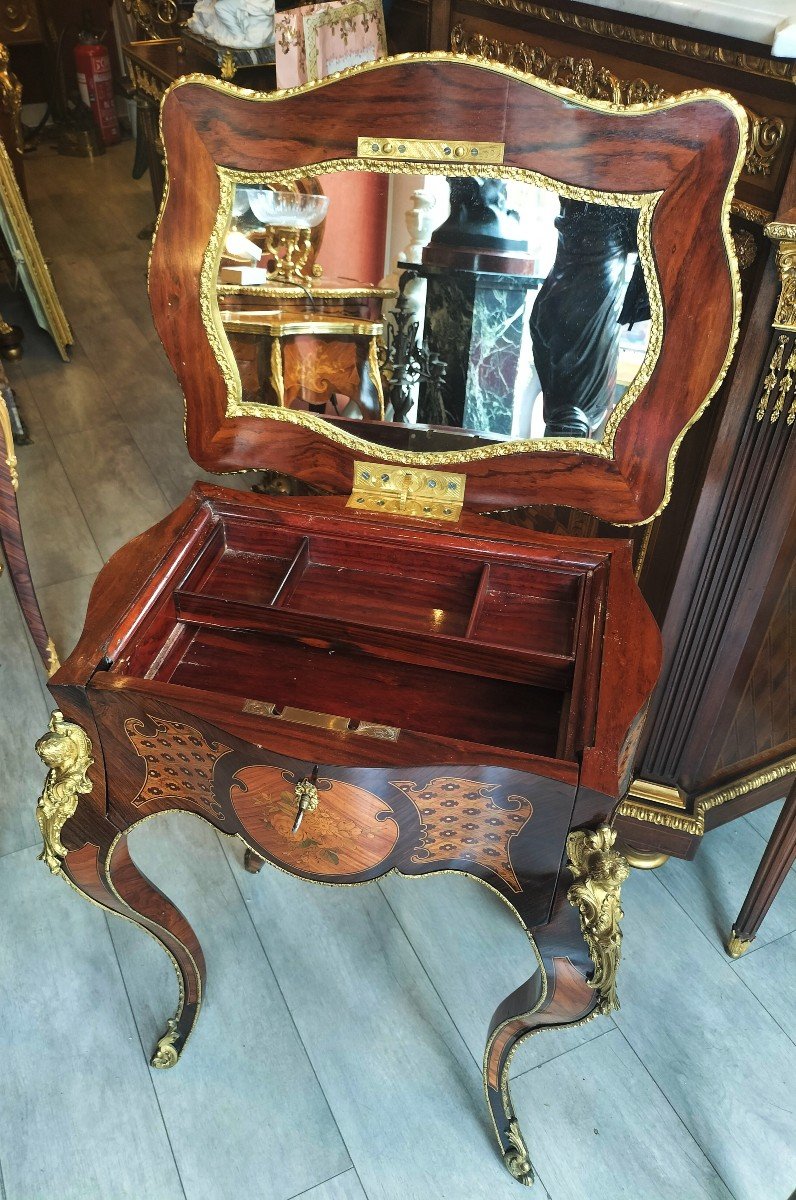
{"x":408,"y":491}
{"x":306,"y":716}
{"x":424,"y":150}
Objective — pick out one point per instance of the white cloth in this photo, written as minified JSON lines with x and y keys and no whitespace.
{"x":785,"y":39}
{"x":239,"y":24}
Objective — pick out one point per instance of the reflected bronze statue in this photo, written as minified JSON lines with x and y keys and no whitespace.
{"x":480,"y":219}
{"x":575,"y":322}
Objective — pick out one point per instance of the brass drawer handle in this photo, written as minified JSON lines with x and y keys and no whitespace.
{"x":306,"y":795}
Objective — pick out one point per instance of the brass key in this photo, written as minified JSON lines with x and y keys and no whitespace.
{"x":306,"y":794}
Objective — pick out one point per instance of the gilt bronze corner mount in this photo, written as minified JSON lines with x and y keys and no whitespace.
{"x":66,"y":750}
{"x":599,"y":872}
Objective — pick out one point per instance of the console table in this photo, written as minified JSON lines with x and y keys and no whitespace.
{"x":153,"y":65}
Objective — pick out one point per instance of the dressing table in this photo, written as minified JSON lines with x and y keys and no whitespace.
{"x":380,"y":678}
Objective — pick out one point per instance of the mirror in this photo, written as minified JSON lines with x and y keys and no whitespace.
{"x":477,"y":308}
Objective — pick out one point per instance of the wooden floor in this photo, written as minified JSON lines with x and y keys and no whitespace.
{"x":338,"y":1054}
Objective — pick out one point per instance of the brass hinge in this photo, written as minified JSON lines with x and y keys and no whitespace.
{"x":306,"y":716}
{"x":410,"y":491}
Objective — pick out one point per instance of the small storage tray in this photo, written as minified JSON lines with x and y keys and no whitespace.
{"x":459,"y":642}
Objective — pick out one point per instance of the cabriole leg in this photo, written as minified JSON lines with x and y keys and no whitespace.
{"x":111,"y":879}
{"x":579,"y":952}
{"x":252,"y":861}
{"x":100,"y":867}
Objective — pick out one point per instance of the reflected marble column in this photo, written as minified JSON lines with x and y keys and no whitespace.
{"x":495,"y":353}
{"x":474,"y":321}
{"x":479,"y":273}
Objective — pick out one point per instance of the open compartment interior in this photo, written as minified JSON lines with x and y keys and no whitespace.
{"x":462,"y":642}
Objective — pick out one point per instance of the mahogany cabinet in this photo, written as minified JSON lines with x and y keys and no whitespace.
{"x":380,"y":678}
{"x":717,"y":567}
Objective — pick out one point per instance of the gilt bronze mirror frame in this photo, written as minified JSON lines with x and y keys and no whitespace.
{"x":675,"y":161}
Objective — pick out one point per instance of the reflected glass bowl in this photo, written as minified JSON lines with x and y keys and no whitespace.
{"x":288,"y":210}
{"x":240,"y":201}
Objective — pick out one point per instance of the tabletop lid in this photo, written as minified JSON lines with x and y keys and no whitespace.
{"x":630,"y":205}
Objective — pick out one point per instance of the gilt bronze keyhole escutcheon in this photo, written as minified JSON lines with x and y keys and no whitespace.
{"x":306,"y":795}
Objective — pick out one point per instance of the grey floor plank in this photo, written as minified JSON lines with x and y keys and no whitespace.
{"x":23,"y":719}
{"x":474,"y":972}
{"x":57,"y":233}
{"x":722,"y":1062}
{"x":162,"y":441}
{"x":135,"y":372}
{"x":85,"y":290}
{"x":126,"y":275}
{"x":243,"y":1106}
{"x":342,"y":1187}
{"x":769,"y":974}
{"x":712,"y":888}
{"x":71,"y":398}
{"x":405,"y":1091}
{"x":91,"y":211}
{"x":599,"y":1127}
{"x":117,"y":491}
{"x":63,"y":607}
{"x":57,"y":537}
{"x":764,"y":819}
{"x":79,"y":1118}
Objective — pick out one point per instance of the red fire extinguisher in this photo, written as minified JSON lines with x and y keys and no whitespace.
{"x":95,"y":83}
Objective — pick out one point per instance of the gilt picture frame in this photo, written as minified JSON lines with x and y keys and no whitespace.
{"x":20,"y":237}
{"x":340,"y":37}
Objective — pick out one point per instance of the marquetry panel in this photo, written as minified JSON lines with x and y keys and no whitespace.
{"x":463,"y":820}
{"x":350,"y":831}
{"x":180,"y":763}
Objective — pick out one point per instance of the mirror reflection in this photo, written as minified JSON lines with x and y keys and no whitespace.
{"x":483,"y":305}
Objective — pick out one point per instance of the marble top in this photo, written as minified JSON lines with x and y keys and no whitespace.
{"x":751,"y":20}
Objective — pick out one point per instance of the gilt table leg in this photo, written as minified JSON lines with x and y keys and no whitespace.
{"x":779,"y":857}
{"x":578,"y":953}
{"x":14,"y":548}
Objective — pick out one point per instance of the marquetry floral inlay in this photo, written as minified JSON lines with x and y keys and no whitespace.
{"x":348,"y":831}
